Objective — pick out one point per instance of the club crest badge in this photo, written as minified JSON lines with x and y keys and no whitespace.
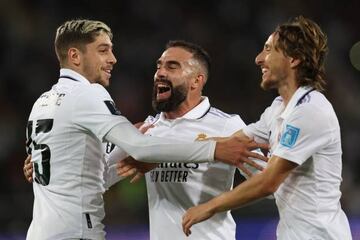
{"x":201,"y":137}
{"x":289,"y":136}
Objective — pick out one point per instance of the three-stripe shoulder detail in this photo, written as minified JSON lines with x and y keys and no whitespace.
{"x":219,"y":113}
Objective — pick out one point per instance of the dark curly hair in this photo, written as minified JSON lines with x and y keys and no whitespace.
{"x":302,"y":38}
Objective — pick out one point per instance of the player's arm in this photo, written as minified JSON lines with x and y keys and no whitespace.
{"x":153,"y":149}
{"x":259,"y":186}
{"x":95,"y":111}
{"x":110,"y":172}
{"x":130,"y":167}
{"x":120,"y":165}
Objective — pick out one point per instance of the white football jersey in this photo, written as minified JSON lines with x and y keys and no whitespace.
{"x":306,"y":132}
{"x":65,"y":132}
{"x":174,"y":187}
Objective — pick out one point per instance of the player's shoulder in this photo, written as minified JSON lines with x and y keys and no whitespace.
{"x":45,"y":95}
{"x":47,"y":98}
{"x":313,"y":100}
{"x":314,"y":105}
{"x":217,"y":113}
{"x":93,"y":91}
{"x":98,"y":88}
{"x":220,"y":116}
{"x":277,"y":102}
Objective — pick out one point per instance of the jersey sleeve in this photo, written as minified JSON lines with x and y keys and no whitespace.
{"x":303,"y":133}
{"x":154,"y":149}
{"x":111,"y":159}
{"x":95,"y":111}
{"x":233,"y":124}
{"x":259,"y":131}
{"x":117,"y":154}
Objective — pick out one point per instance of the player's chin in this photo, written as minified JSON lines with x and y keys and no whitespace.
{"x":162,"y":99}
{"x":105,"y":81}
{"x":266,"y":84}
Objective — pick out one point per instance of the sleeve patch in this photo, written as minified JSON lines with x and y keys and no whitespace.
{"x":289,"y":137}
{"x":112,"y":108}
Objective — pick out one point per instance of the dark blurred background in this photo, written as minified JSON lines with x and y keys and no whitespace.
{"x":232,"y":31}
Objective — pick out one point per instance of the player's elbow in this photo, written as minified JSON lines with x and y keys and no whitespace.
{"x":271,"y":189}
{"x":268,"y":188}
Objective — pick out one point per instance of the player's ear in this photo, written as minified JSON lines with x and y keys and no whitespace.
{"x":294,"y":62}
{"x":74,"y":56}
{"x":198,"y":82}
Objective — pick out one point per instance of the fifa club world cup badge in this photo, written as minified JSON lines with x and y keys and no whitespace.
{"x":201,"y":137}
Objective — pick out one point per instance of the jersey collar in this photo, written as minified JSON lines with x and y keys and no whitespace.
{"x":66,"y":73}
{"x":197,"y":112}
{"x":299,"y":94}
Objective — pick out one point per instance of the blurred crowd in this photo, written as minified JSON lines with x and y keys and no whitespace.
{"x":233,"y":32}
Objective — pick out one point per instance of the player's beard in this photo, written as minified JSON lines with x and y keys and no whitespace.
{"x":178,"y":95}
{"x":268,"y":85}
{"x":92,"y":74}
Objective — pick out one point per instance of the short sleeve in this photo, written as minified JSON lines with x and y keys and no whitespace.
{"x":233,"y":124}
{"x":259,"y":130}
{"x":95,"y":111}
{"x":303,"y":133}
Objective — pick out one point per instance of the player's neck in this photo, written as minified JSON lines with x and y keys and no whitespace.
{"x":183,"y":108}
{"x":287,"y":90}
{"x":77,"y":70}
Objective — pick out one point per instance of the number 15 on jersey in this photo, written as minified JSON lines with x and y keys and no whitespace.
{"x":36,"y":131}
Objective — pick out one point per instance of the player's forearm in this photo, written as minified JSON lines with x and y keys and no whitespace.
{"x":250,"y":190}
{"x":258,"y":186}
{"x":153,"y":149}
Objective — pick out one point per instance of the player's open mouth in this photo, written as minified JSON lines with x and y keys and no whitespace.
{"x":163,"y":91}
{"x":264,"y":71}
{"x":107,"y":72}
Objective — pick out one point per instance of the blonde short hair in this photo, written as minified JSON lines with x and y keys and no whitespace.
{"x":77,"y":33}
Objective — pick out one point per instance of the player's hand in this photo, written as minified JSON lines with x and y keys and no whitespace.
{"x":195,"y":215}
{"x":130,"y":167}
{"x":236,"y":151}
{"x":28,"y":169}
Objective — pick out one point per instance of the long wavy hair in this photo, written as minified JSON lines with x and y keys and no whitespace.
{"x":302,"y":38}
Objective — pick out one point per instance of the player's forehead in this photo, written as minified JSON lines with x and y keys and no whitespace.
{"x":175,"y":54}
{"x":103,"y":39}
{"x":272,"y":39}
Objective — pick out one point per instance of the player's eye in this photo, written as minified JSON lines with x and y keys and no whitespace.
{"x":172,"y":66}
